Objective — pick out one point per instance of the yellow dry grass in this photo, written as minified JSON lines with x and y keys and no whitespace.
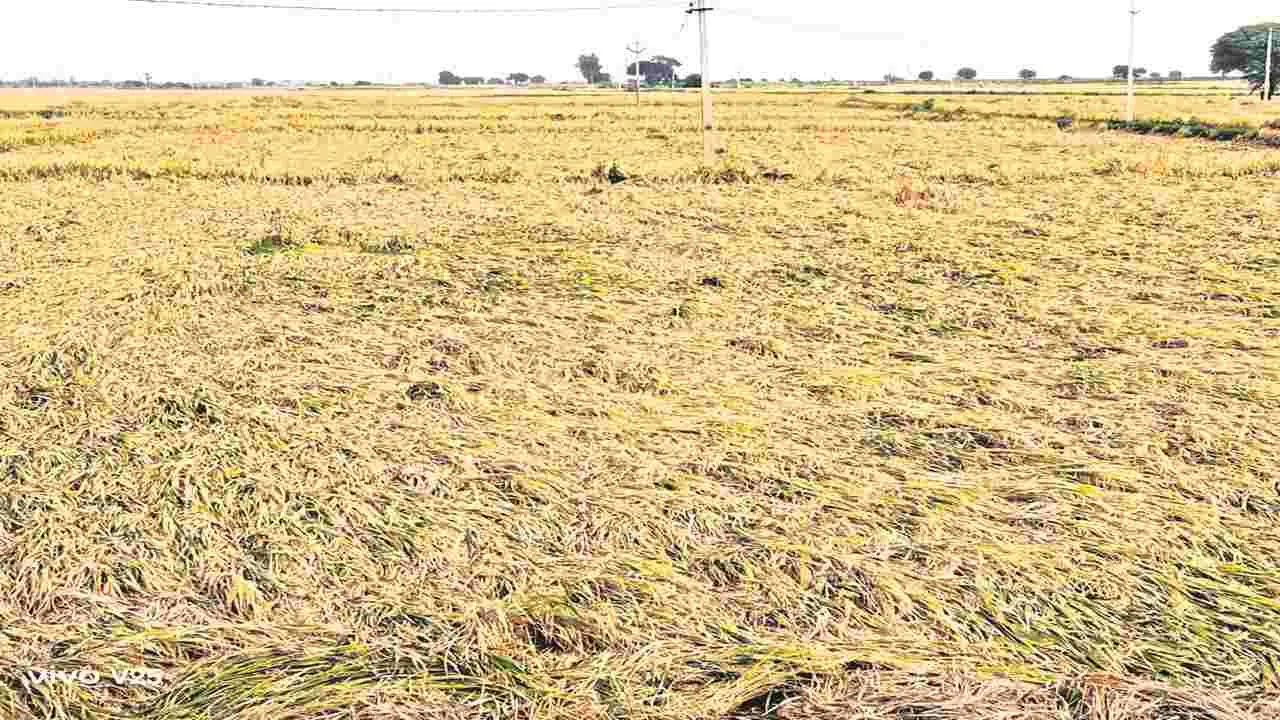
{"x":1228,"y":103}
{"x":390,"y":405}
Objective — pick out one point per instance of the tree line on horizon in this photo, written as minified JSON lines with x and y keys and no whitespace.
{"x":1027,"y":74}
{"x":1242,"y":50}
{"x":657,"y":70}
{"x":447,"y":77}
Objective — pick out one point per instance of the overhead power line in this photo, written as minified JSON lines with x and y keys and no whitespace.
{"x":415,"y":10}
{"x":815,"y":28}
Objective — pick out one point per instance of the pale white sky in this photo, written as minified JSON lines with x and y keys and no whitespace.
{"x":119,"y":40}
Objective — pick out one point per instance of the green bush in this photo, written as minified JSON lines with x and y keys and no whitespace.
{"x":1228,"y":134}
{"x":1184,"y":128}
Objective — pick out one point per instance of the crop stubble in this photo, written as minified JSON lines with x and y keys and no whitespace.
{"x":393,"y":405}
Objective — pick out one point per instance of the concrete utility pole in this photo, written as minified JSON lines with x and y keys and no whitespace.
{"x":708,"y":119}
{"x":636,"y":50}
{"x":1133,"y":30}
{"x":1266,"y":88}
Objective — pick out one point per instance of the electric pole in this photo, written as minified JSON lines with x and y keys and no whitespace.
{"x":1266,"y":92}
{"x":1133,"y":30}
{"x":708,"y":118}
{"x":635,"y":49}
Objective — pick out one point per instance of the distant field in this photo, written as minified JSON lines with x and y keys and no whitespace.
{"x":1234,"y":110}
{"x":1143,"y":87}
{"x":466,"y":405}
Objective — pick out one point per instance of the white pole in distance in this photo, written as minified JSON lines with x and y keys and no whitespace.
{"x":1267,"y":86}
{"x":1133,"y":24}
{"x":637,"y":50}
{"x":708,"y":117}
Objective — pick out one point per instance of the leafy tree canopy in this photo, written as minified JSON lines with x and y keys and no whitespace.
{"x":658,"y":70}
{"x":1244,"y":50}
{"x":589,"y":66}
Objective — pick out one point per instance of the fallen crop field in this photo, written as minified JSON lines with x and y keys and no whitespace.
{"x":1225,"y":103}
{"x":451,"y":405}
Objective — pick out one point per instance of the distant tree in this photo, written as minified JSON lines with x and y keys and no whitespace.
{"x":589,"y":66}
{"x":658,"y":70}
{"x":1027,"y":74}
{"x":966,"y":73}
{"x":1139,"y":72}
{"x":1245,"y":50}
{"x":666,"y":67}
{"x":1120,"y":72}
{"x":1175,"y":75}
{"x":518,"y":78}
{"x":473,"y":80}
{"x":1064,"y":78}
{"x":147,"y":77}
{"x":538,"y":79}
{"x":604,"y":79}
{"x":359,"y":83}
{"x":1155,"y":76}
{"x":448,"y":78}
{"x":258,"y":82}
{"x":927,"y":75}
{"x":891,"y":78}
{"x":497,"y":81}
{"x":693,"y":81}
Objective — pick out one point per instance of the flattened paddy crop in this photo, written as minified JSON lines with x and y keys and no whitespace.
{"x":448,"y":405}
